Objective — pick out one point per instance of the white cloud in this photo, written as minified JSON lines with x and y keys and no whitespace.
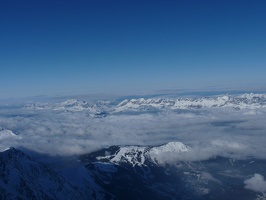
{"x":209,"y":131}
{"x":256,"y":183}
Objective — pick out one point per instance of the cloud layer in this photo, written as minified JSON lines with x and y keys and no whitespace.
{"x":209,"y":131}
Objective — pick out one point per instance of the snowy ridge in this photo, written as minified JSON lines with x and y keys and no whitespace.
{"x":173,"y":147}
{"x":134,"y":155}
{"x":76,"y":105}
{"x":72,"y":105}
{"x":138,"y":155}
{"x":237,"y":102}
{"x":101,"y":108}
{"x":133,"y":170}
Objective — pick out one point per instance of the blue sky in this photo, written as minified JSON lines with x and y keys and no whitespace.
{"x":81,"y":47}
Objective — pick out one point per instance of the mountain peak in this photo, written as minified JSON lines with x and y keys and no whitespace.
{"x":170,"y":147}
{"x":139,"y":155}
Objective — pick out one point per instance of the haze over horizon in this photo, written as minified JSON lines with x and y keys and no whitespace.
{"x":66,"y":47}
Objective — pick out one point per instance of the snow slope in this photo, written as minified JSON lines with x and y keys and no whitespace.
{"x":139,"y":155}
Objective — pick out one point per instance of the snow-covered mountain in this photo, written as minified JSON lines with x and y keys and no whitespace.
{"x":101,"y":108}
{"x":76,"y":105}
{"x":236,"y":102}
{"x":95,"y":109}
{"x":136,"y":172}
{"x":139,"y":155}
{"x":132,"y":172}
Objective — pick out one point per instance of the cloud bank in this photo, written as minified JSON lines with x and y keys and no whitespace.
{"x":210,"y":131}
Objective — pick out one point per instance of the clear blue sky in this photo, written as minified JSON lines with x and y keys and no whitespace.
{"x":52,"y":47}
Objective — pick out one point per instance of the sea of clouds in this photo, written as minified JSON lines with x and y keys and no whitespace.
{"x":209,"y":131}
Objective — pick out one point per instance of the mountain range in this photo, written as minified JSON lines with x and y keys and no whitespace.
{"x":103,"y":108}
{"x":130,"y":172}
{"x":221,"y":156}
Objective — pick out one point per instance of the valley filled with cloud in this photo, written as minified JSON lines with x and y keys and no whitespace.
{"x":230,"y":126}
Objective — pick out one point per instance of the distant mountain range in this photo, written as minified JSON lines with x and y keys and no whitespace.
{"x":103,"y":108}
